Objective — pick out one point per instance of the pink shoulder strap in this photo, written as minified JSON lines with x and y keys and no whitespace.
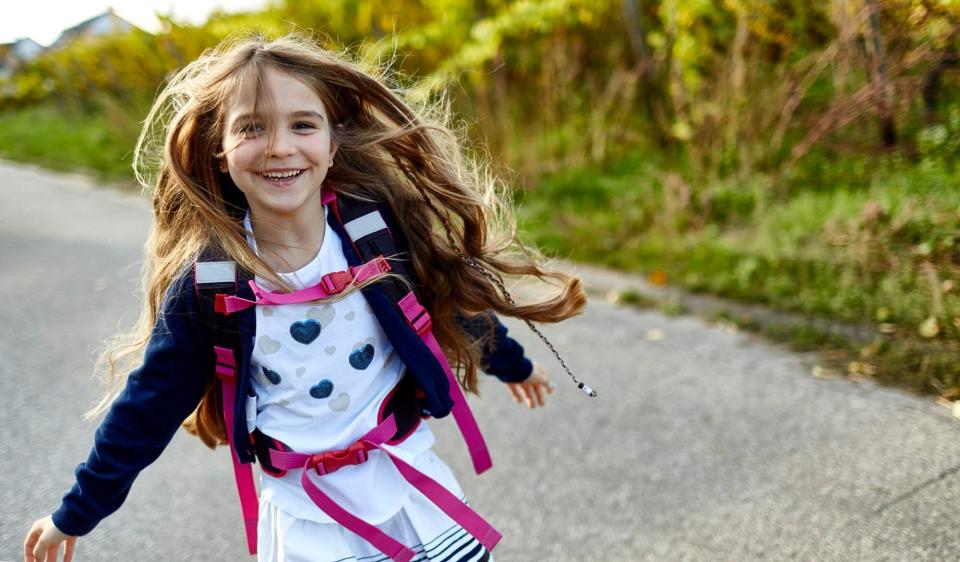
{"x":226,"y":370}
{"x":419,"y":319}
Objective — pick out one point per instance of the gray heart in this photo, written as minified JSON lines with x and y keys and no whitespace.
{"x":301,"y":371}
{"x":330,"y":349}
{"x":323,"y":314}
{"x":267,"y":310}
{"x":349,"y":315}
{"x":340,"y":403}
{"x":268,"y":345}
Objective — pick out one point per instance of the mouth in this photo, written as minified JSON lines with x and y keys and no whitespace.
{"x":281,"y":175}
{"x":281,"y":178}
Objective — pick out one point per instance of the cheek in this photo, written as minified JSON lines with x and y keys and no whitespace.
{"x":320,"y":150}
{"x":242,"y":159}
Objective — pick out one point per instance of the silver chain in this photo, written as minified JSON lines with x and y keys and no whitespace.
{"x":472,"y":262}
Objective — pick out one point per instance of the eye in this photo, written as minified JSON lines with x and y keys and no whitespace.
{"x":250,"y":129}
{"x":304,"y":125}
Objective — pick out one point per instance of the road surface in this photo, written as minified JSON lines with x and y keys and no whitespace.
{"x":704,"y":444}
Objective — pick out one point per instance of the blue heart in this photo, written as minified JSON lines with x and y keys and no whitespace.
{"x":361,"y":357}
{"x":272,"y":376}
{"x":305,"y":331}
{"x":322,"y":389}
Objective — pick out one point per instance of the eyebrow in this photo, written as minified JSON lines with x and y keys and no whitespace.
{"x":246,"y":117}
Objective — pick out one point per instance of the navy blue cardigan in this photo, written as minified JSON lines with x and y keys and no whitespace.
{"x":177,"y":364}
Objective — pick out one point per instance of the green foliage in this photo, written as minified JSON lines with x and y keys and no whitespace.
{"x":92,"y":143}
{"x":801,"y":154}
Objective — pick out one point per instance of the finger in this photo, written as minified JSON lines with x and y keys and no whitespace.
{"x":68,"y":552}
{"x":29,"y":544}
{"x":539,"y":392}
{"x":515,"y":392}
{"x":527,"y":396}
{"x":53,"y":552}
{"x":40,"y":551}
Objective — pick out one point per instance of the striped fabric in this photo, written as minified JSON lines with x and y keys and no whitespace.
{"x":453,"y":545}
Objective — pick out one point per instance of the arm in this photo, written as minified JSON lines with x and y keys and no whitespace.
{"x":503,"y":357}
{"x":158,"y":396}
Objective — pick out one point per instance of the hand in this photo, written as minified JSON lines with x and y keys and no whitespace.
{"x":43,"y":543}
{"x":531,"y":391}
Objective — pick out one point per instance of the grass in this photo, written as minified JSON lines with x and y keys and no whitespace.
{"x":877,"y":245}
{"x":94,"y":143}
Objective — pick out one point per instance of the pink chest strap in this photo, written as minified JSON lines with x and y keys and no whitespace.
{"x":330,"y":284}
{"x":325,"y":463}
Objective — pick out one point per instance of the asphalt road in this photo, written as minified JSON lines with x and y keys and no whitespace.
{"x":704,"y":444}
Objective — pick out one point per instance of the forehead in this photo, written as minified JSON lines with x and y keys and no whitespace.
{"x":281,"y":93}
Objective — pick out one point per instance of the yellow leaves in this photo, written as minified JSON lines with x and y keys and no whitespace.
{"x":658,"y":278}
{"x":655,"y":334}
{"x":929,"y":328}
{"x":856,"y":371}
{"x":861,"y":368}
{"x":681,"y":130}
{"x":821,"y":372}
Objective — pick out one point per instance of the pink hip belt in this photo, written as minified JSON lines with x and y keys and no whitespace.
{"x":356,"y":453}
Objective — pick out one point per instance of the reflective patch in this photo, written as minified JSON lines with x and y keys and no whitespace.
{"x":367,"y":224}
{"x":216,"y":272}
{"x":251,"y":408}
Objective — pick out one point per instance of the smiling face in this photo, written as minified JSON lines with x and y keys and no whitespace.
{"x":278,"y":156}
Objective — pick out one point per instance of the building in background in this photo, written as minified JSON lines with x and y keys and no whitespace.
{"x":13,"y":55}
{"x":104,"y":24}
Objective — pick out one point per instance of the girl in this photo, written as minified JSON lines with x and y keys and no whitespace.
{"x":265,"y":146}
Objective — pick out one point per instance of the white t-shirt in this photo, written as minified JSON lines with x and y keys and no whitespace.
{"x":320,"y":373}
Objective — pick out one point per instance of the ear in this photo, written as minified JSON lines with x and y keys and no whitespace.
{"x":223,"y":164}
{"x":333,"y":151}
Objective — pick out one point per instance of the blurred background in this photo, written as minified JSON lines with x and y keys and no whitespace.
{"x":796,"y":153}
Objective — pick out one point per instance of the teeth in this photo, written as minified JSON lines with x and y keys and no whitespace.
{"x":281,"y":175}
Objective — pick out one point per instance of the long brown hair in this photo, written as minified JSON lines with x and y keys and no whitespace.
{"x":449,"y":208}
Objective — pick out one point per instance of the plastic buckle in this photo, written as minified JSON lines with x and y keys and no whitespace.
{"x":422,"y":323}
{"x":333,"y":283}
{"x":220,"y":303}
{"x":383,"y":266}
{"x":226,"y":367}
{"x":378,"y":265}
{"x":332,"y":461}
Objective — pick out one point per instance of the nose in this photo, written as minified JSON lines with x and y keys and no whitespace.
{"x":281,"y":145}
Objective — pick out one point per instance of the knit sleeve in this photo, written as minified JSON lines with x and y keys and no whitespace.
{"x":143,"y":419}
{"x":501,"y":355}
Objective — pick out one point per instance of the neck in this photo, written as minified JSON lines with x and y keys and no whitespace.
{"x":287,"y":242}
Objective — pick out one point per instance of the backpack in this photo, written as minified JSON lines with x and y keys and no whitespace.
{"x":218,"y":282}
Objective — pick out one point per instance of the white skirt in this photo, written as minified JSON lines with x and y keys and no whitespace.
{"x":419,"y":525}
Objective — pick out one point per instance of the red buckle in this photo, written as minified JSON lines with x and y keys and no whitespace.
{"x":220,"y":303}
{"x":333,"y":283}
{"x":382,"y":264}
{"x":332,"y":461}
